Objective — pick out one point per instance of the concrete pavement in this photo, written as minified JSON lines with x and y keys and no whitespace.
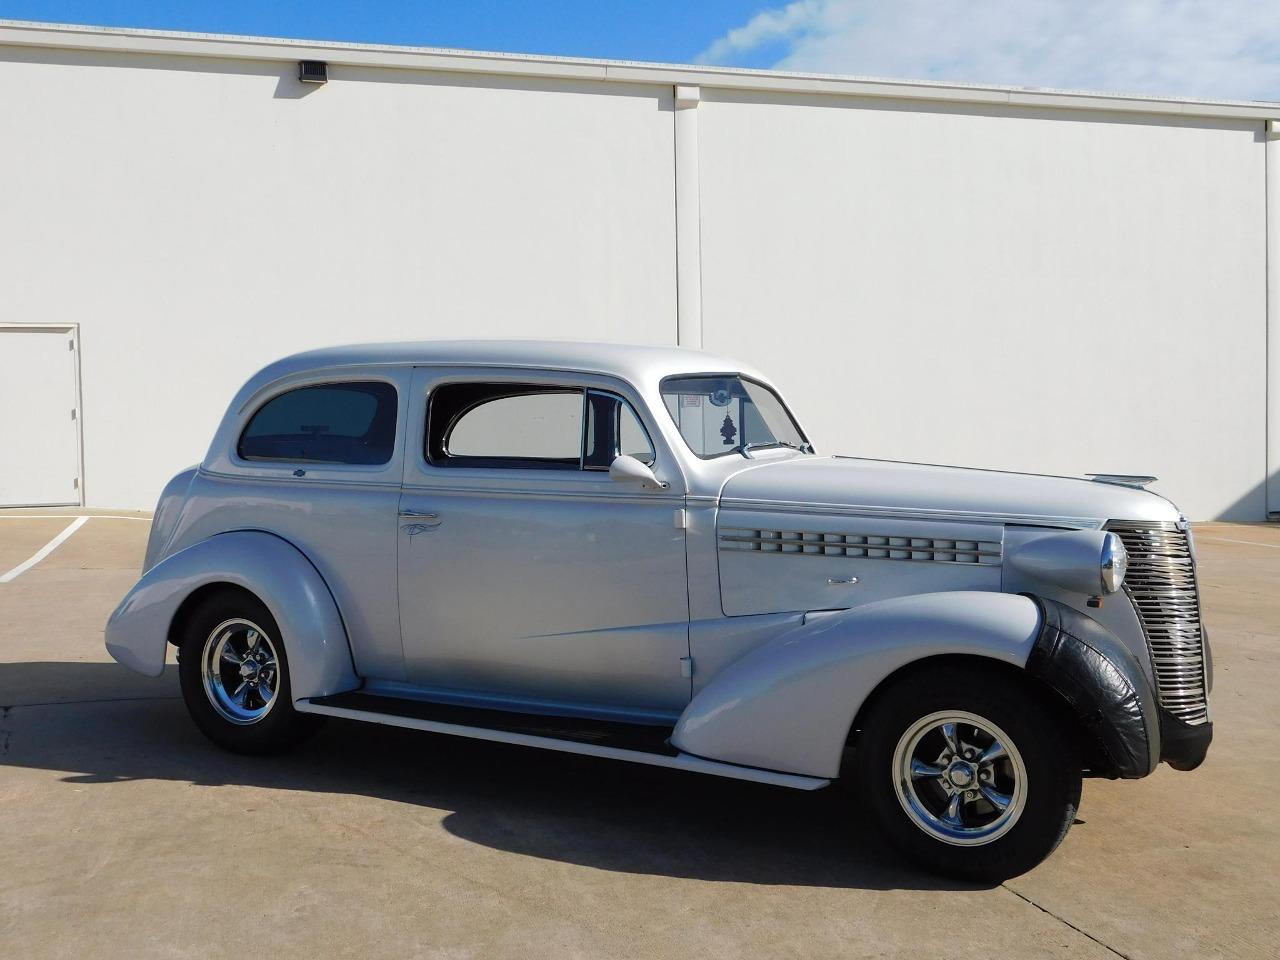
{"x":123,"y":832}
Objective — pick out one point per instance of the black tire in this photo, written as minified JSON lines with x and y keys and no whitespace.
{"x":1040,"y":736}
{"x":279,"y":726}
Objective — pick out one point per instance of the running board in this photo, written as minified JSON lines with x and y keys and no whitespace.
{"x":594,"y":738}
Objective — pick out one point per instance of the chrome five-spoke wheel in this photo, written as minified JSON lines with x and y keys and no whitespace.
{"x":960,"y":778}
{"x":240,"y":670}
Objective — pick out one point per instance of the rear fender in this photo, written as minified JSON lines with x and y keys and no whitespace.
{"x":789,"y":704}
{"x":273,"y":570}
{"x":168,"y":512}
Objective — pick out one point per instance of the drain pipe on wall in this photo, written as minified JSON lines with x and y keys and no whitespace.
{"x":688,"y":220}
{"x":1272,"y":193}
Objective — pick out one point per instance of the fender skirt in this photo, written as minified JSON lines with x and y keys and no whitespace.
{"x":1104,"y":684}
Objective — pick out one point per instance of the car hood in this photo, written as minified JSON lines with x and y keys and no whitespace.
{"x":843,"y":484}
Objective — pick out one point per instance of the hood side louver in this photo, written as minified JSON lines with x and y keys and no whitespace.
{"x":807,"y":543}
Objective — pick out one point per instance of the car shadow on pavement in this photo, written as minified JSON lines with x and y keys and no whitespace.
{"x":107,"y":726}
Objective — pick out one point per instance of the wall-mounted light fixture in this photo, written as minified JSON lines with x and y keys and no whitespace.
{"x":313,"y":71}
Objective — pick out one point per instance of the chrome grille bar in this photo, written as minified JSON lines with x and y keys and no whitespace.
{"x":1161,"y":583}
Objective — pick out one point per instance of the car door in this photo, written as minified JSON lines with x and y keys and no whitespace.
{"x":526,"y":574}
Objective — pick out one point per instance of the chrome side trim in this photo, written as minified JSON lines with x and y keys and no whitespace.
{"x":809,"y":543}
{"x":911,"y":513}
{"x":681,"y":761}
{"x":290,"y":477}
{"x":430,"y":490}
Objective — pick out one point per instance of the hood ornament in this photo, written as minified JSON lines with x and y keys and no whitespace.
{"x":1122,"y":479}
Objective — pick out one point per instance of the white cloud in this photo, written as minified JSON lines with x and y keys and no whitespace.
{"x":1193,"y":48}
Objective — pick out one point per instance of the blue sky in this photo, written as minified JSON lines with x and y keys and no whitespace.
{"x":1226,"y":49}
{"x":667,"y":30}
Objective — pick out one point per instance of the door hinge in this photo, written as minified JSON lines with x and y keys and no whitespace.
{"x":682,"y":519}
{"x":73,"y":413}
{"x":686,"y":667}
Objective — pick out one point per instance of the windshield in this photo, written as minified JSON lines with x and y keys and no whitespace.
{"x":729,"y":414}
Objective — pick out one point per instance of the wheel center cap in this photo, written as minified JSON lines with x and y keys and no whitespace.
{"x":960,"y":775}
{"x":248,"y":670}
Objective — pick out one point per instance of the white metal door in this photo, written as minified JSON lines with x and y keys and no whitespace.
{"x":39,"y":417}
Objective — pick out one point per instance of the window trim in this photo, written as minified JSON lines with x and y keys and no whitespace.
{"x":540,"y":464}
{"x":239,"y":457}
{"x":535,"y":464}
{"x":617,"y":431}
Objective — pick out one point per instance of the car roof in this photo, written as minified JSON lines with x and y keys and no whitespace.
{"x":636,"y":363}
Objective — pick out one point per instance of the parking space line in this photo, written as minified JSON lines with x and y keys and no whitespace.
{"x":44,"y":551}
{"x":1252,"y":543}
{"x":63,"y":516}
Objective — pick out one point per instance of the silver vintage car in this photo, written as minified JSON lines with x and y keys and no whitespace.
{"x":636,"y":553}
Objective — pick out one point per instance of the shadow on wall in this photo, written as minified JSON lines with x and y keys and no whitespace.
{"x":608,"y":815}
{"x":289,"y":87}
{"x":1251,"y":506}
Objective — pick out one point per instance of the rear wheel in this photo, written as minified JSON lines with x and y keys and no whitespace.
{"x":235,"y":676}
{"x":968,"y":772}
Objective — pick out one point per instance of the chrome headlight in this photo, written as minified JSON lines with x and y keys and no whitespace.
{"x":1089,"y":562}
{"x":1115,"y":561}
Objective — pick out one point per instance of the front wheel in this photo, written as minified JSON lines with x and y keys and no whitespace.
{"x":968,"y":772}
{"x":235,"y":676}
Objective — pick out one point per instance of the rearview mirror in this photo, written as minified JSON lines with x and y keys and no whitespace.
{"x":629,"y":468}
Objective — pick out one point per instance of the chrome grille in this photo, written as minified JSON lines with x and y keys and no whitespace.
{"x":865,"y":546}
{"x":1161,"y":582}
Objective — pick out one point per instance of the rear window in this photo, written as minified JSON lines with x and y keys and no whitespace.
{"x":353,"y":422}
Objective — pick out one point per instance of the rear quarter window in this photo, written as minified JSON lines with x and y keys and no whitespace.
{"x":350,"y":422}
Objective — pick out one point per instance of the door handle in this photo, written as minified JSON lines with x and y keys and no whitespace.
{"x":420,"y":516}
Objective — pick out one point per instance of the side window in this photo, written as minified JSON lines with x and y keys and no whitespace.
{"x":527,"y":426}
{"x":633,"y":439}
{"x":612,"y":429}
{"x":531,"y":426}
{"x":353,"y":422}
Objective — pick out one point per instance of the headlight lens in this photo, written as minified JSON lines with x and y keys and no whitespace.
{"x":1115,"y":561}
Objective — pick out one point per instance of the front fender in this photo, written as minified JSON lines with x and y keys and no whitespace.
{"x":1103,"y":683}
{"x":789,"y":704}
{"x":272,"y":569}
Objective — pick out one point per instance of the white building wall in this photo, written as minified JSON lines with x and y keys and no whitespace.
{"x":1035,"y":290}
{"x":200,"y":218}
{"x":996,"y":282}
